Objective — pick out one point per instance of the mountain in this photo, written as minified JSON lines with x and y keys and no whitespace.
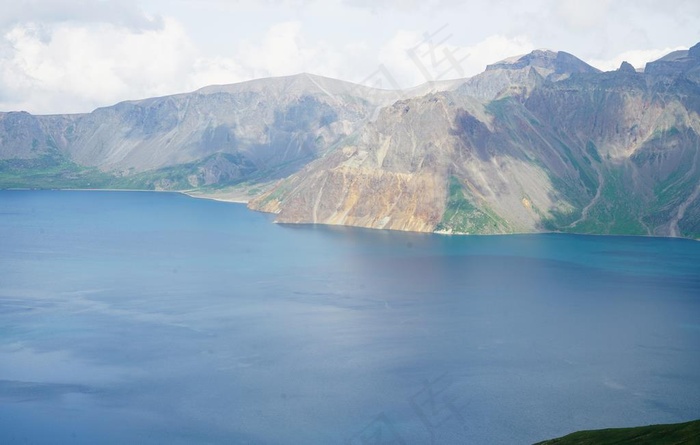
{"x":523,"y":73}
{"x":539,"y":142}
{"x":678,"y":63}
{"x":217,"y":135}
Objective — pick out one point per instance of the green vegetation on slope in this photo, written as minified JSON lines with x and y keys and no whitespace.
{"x":616,"y":212}
{"x":673,"y":434}
{"x":168,"y":178}
{"x":672,"y":191}
{"x":461,"y":216}
{"x":689,"y":226}
{"x":54,"y":171}
{"x":49,"y":172}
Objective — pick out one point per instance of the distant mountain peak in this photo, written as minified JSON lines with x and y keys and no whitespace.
{"x":627,"y":67}
{"x":545,"y":61}
{"x":694,"y":51}
{"x":301,"y":82}
{"x":521,"y":74}
{"x":676,"y":63}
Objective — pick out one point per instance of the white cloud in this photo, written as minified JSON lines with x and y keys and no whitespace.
{"x":125,"y":13}
{"x":494,"y":49}
{"x":69,"y":68}
{"x":285,"y":51}
{"x":75,"y":55}
{"x":582,"y":15}
{"x":402,"y":5}
{"x":215,"y":71}
{"x":637,"y":58}
{"x":413,"y":59}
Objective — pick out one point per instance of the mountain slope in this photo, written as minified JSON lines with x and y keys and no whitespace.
{"x":523,"y":73}
{"x":217,"y":135}
{"x":671,"y":434}
{"x":552,"y":144}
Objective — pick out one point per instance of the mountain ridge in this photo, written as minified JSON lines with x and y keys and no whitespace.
{"x":538,"y":142}
{"x":558,"y":154}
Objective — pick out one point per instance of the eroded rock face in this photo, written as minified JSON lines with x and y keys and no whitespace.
{"x":268,"y":123}
{"x":684,"y":63}
{"x":582,"y":151}
{"x":447,"y":166}
{"x":24,"y":136}
{"x":390,"y":177}
{"x":627,"y":68}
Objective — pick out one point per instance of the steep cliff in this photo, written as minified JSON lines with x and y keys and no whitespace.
{"x":536,"y":143}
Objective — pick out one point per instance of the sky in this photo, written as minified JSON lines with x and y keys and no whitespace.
{"x":72,"y":56}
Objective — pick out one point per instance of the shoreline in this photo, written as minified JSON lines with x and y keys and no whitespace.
{"x":181,"y":192}
{"x":234,"y":200}
{"x":215,"y":198}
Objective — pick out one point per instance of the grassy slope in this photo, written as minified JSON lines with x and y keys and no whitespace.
{"x":54,"y":171}
{"x":673,"y":434}
{"x":615,"y":212}
{"x":461,"y":216}
{"x":50,"y":172}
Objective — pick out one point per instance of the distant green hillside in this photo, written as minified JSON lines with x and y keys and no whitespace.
{"x":673,"y":434}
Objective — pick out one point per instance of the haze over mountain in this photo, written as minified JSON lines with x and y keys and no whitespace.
{"x":538,"y":142}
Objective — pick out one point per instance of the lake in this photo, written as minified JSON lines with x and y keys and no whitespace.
{"x":135,"y":317}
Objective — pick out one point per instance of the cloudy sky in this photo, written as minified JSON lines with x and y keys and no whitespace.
{"x":60,"y":56}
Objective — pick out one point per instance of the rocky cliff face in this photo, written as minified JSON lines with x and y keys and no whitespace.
{"x":220,"y":134}
{"x":536,"y":143}
{"x":521,"y":74}
{"x":24,"y":136}
{"x":541,"y":142}
{"x":267,"y":123}
{"x":678,"y":63}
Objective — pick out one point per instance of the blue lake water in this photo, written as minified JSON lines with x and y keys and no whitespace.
{"x":158,"y":318}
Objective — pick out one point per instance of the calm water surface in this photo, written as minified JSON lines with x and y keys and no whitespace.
{"x":158,"y":318}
